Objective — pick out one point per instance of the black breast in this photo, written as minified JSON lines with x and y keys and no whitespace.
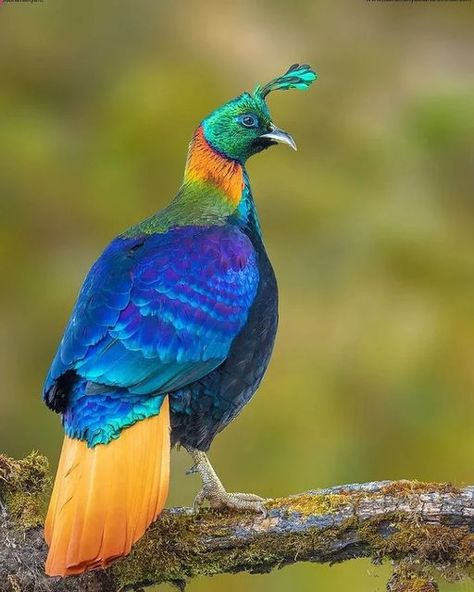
{"x":203,"y":408}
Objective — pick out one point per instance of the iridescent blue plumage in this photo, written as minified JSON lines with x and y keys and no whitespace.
{"x":156,"y":312}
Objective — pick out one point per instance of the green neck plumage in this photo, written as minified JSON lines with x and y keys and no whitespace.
{"x":215,"y":190}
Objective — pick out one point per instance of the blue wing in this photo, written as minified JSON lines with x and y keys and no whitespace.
{"x":157,"y":312}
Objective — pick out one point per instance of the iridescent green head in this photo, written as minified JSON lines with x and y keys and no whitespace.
{"x":243,"y":126}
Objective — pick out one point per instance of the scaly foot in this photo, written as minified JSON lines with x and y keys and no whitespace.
{"x":236,"y":501}
{"x":213,"y":491}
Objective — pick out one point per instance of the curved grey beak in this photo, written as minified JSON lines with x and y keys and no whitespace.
{"x":278,"y":135}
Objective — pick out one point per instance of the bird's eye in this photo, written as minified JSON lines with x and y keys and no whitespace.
{"x":248,"y":120}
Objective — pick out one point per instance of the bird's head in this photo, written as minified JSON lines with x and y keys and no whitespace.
{"x":243,"y":126}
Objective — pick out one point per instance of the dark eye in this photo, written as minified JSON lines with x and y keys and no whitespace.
{"x":248,"y":120}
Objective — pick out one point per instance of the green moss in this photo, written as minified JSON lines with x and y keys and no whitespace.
{"x":411,"y":576}
{"x":22,"y":487}
{"x":172,"y":550}
{"x":177,"y":547}
{"x":311,"y":504}
{"x":408,"y":487}
{"x":167,"y":546}
{"x":433,"y":543}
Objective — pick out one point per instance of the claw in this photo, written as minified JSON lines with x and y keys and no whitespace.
{"x":198,"y":501}
{"x":192,"y":470}
{"x":213,"y":491}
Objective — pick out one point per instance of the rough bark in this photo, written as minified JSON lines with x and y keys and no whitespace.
{"x":427,"y":529}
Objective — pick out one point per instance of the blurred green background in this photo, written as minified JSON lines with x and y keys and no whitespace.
{"x":369,"y":225}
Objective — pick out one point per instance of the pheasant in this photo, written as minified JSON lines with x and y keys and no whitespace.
{"x":170,"y":336}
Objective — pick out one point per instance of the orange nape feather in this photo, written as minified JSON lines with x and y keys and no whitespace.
{"x":205,"y":164}
{"x":105,"y":497}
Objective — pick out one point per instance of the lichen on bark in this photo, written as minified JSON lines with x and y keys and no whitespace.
{"x":427,"y":529}
{"x":23,"y":486}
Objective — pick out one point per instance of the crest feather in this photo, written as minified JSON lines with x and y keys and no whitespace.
{"x":297,"y":76}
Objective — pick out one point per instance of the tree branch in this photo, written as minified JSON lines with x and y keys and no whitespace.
{"x":421,"y":526}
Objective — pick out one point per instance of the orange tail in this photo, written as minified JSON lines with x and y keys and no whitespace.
{"x":105,"y":497}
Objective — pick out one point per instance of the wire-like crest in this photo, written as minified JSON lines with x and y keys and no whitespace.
{"x":297,"y":76}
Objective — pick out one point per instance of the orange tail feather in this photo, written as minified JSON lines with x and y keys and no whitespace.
{"x":104,"y":498}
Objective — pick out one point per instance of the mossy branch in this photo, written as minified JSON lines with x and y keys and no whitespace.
{"x":427,"y":529}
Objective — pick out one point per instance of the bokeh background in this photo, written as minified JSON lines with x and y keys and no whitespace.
{"x":369,"y":225}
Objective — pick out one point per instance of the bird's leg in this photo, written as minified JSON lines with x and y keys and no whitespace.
{"x":213,"y":491}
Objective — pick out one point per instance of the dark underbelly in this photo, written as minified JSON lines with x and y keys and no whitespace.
{"x":202,"y":409}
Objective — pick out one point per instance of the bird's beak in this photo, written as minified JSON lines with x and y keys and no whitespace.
{"x":279,"y":135}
